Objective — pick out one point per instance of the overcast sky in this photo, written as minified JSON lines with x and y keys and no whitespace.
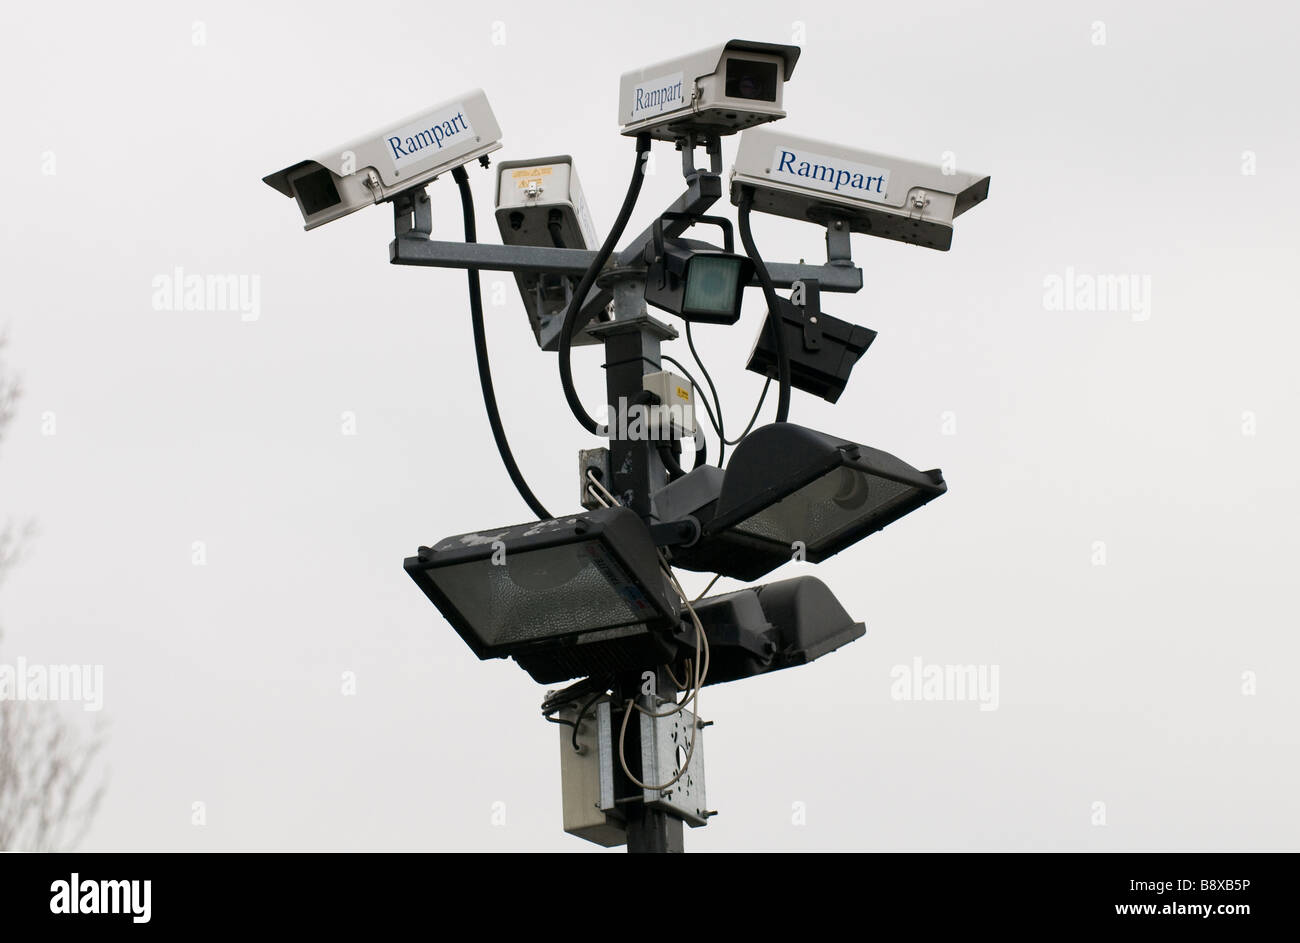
{"x":1119,"y":538}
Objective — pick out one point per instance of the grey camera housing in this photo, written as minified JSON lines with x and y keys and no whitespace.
{"x":540,"y":203}
{"x":401,"y":155}
{"x":716,"y":91}
{"x":820,"y":182}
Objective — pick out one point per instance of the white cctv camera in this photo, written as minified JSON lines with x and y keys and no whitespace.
{"x":540,"y":203}
{"x":402,"y":155}
{"x":716,"y":91}
{"x":875,"y":194}
{"x":534,"y":197}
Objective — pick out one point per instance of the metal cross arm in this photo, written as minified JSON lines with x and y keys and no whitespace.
{"x":412,"y":246}
{"x":418,"y":250}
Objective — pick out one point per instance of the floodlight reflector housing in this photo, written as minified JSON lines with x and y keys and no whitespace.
{"x":788,"y":483}
{"x":822,"y":349}
{"x":565,"y":597}
{"x":766,"y":628}
{"x":787,"y":486}
{"x":789,"y":492}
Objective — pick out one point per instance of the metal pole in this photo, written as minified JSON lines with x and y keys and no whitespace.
{"x":631,"y":351}
{"x":632,"y":342}
{"x":649,"y":830}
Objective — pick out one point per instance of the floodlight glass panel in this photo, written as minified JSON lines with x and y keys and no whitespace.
{"x":825,"y":508}
{"x":787,"y":486}
{"x":712,"y":282}
{"x":528,"y":589}
{"x":541,"y":594}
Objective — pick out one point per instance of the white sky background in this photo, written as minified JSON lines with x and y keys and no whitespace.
{"x":1119,"y":683}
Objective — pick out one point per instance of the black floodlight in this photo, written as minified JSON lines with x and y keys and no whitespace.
{"x":565,"y":597}
{"x":822,"y":349}
{"x":789,"y":493}
{"x":767,"y":628}
{"x":694,"y":281}
{"x":792,"y":492}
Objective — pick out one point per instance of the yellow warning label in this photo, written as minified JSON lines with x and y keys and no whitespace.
{"x":684,"y":394}
{"x":527,"y":176}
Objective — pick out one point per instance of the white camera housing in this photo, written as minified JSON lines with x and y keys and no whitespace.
{"x":875,"y":194}
{"x":529,"y":191}
{"x":719,"y":90}
{"x":531,"y":194}
{"x":402,"y":155}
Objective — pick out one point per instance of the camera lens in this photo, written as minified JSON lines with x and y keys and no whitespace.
{"x":751,"y":80}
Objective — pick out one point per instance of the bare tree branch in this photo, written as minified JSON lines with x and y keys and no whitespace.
{"x":10,"y":390}
{"x":45,"y":762}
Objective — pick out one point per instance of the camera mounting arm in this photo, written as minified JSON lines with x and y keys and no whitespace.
{"x":412,"y":244}
{"x":712,"y":144}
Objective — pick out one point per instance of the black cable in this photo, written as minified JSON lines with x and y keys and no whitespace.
{"x":554,"y":225}
{"x":717,"y":401}
{"x":752,"y":419}
{"x":581,"y":714}
{"x":481,"y":354}
{"x":594,"y":684}
{"x":701,"y":449}
{"x":715,"y":421}
{"x":666,"y":456}
{"x":686,"y":373}
{"x":589,"y":279}
{"x":668,"y":450}
{"x":773,"y":305}
{"x":664,"y":447}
